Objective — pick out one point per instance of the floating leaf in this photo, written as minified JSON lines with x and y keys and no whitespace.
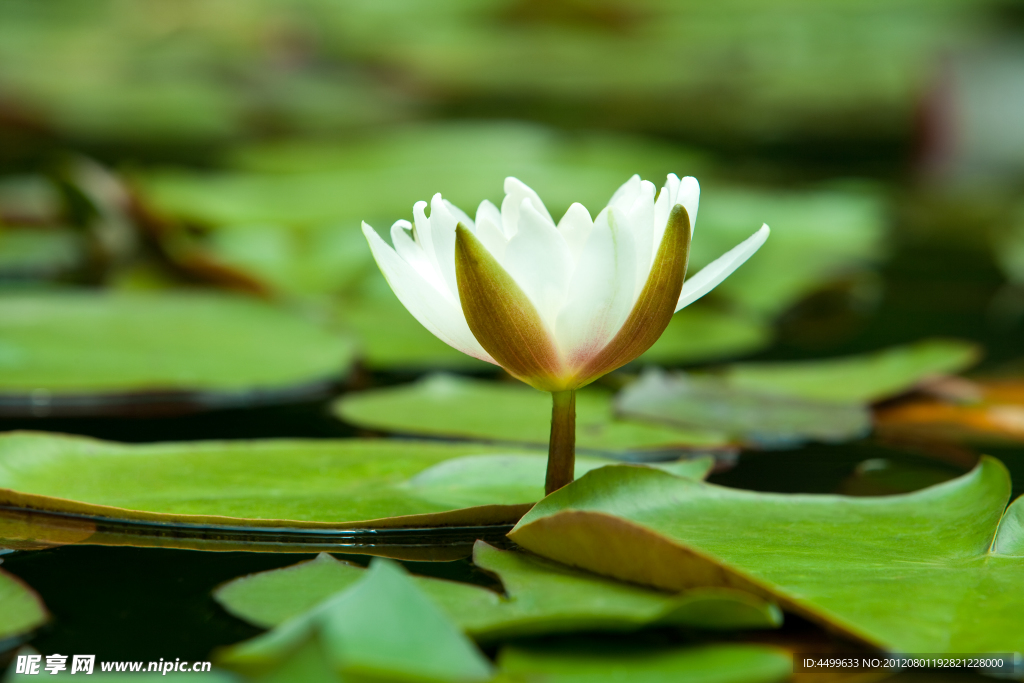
{"x":380,"y":176}
{"x":79,"y":351}
{"x":382,"y":627}
{"x":21,"y":608}
{"x":699,"y":334}
{"x":446,"y":405}
{"x":930,"y":571}
{"x":990,"y":412}
{"x":767,"y":420}
{"x":864,"y":378}
{"x":600,"y":662}
{"x":542,"y":598}
{"x":39,"y":253}
{"x":226,"y":494}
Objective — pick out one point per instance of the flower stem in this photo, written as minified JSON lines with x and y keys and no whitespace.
{"x":562,"y":446}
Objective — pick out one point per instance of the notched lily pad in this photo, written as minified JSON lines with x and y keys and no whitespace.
{"x":762,"y":419}
{"x":86,"y":353}
{"x":381,"y":627}
{"x":542,"y":597}
{"x":937,"y":570}
{"x":446,"y":405}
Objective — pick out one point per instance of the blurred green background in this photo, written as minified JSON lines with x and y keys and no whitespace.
{"x":237,"y":145}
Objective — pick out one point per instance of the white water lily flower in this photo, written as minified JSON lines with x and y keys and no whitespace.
{"x":556,"y":305}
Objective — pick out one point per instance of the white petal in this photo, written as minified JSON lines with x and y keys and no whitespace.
{"x":488,"y":211}
{"x":601,"y":290}
{"x":442,"y":317}
{"x":663,"y":207}
{"x":412,"y":253}
{"x":688,"y":195}
{"x":488,"y":229}
{"x":641,"y":220}
{"x":722,"y":267}
{"x":423,"y":233}
{"x":442,"y":233}
{"x":575,"y":227}
{"x":515,"y":192}
{"x":459,"y":215}
{"x":624,"y":197}
{"x":538,"y":258}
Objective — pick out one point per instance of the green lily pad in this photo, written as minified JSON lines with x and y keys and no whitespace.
{"x":39,"y":253}
{"x":446,"y":405}
{"x":816,"y":236}
{"x":601,"y":662}
{"x":271,"y":486}
{"x":510,"y":479}
{"x":937,"y":570}
{"x":21,"y":608}
{"x":699,"y":334}
{"x":379,"y":177}
{"x":313,"y":260}
{"x":542,"y":597}
{"x":80,"y":344}
{"x":864,"y":378}
{"x":381,"y":627}
{"x":763,"y":419}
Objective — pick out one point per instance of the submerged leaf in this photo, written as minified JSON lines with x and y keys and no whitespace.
{"x":444,"y":405}
{"x":542,"y":597}
{"x":917,"y":572}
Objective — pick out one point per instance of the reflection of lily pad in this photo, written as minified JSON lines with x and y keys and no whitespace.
{"x":445,"y":405}
{"x":703,"y":402}
{"x":865,"y":378}
{"x":936,"y":570}
{"x":606,"y":662}
{"x":698,"y":334}
{"x":267,"y":486}
{"x":542,"y":597}
{"x":22,"y":609}
{"x":382,"y":627}
{"x":65,"y":347}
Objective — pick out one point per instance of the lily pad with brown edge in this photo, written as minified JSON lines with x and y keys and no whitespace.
{"x":81,"y":352}
{"x":863,"y":378}
{"x":382,"y":627}
{"x":21,"y":608}
{"x":937,"y":570}
{"x":541,"y":597}
{"x":757,"y":418}
{"x":277,"y":495}
{"x":610,"y":662}
{"x":460,"y":407}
